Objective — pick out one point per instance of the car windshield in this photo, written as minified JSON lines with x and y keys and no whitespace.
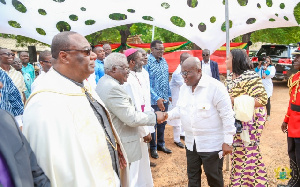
{"x":273,"y":51}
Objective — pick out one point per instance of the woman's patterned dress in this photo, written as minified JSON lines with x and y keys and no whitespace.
{"x":247,"y":166}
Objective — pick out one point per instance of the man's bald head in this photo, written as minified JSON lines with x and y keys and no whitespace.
{"x":60,"y":42}
{"x":184,"y":56}
{"x":193,"y":62}
{"x":191,"y":71}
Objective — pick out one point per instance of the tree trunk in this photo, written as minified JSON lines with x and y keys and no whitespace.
{"x":124,"y":35}
{"x":246,"y":38}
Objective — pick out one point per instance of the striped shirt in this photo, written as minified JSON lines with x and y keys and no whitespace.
{"x":159,"y":79}
{"x":17,"y":79}
{"x":10,"y":99}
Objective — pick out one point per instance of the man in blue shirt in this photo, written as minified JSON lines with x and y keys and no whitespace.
{"x":27,"y":67}
{"x":99,"y":62}
{"x":158,"y":70}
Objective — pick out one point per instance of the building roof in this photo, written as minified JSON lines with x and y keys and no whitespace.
{"x":11,"y":44}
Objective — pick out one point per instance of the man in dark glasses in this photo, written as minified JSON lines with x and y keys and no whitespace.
{"x":67,"y":124}
{"x":6,"y":60}
{"x":209,"y":67}
{"x":45,"y":61}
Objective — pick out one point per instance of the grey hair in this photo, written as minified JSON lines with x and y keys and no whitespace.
{"x":106,"y":45}
{"x":114,"y":59}
{"x":198,"y":62}
{"x":141,"y":50}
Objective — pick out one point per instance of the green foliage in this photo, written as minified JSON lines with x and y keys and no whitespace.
{"x":213,"y":19}
{"x":90,"y":22}
{"x":243,"y":2}
{"x":42,"y":12}
{"x":193,"y":3}
{"x":40,"y":31}
{"x":14,"y":24}
{"x":19,"y":6}
{"x":223,"y":27}
{"x":269,"y":3}
{"x":165,"y":5}
{"x":297,"y":13}
{"x":285,"y":35}
{"x":63,"y":26}
{"x":117,"y":16}
{"x":73,"y":17}
{"x":177,"y":21}
{"x":148,"y":18}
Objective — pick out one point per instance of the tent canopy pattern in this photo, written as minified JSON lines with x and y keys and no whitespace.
{"x":203,"y":24}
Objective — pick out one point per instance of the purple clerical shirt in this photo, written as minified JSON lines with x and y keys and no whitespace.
{"x":5,"y":178}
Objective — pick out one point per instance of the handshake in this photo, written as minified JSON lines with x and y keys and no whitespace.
{"x":161,"y":116}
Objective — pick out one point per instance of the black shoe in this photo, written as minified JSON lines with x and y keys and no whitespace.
{"x":182,"y":137}
{"x":179,"y":144}
{"x":154,"y":154}
{"x":164,"y":149}
{"x":152,"y":164}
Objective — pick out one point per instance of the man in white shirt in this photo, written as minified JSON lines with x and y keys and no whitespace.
{"x":175,"y":84}
{"x":207,"y":118}
{"x":208,"y":66}
{"x":45,"y":61}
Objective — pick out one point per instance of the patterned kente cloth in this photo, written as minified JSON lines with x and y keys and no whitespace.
{"x":247,"y":166}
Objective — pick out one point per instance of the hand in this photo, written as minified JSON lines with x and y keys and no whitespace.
{"x":284,"y":127}
{"x":227,"y":149}
{"x":147,"y":138}
{"x":170,"y":99}
{"x":122,"y":160}
{"x":259,"y":64}
{"x":160,"y":104}
{"x":161,"y":116}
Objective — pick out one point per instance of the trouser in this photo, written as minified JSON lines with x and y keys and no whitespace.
{"x":160,"y":130}
{"x":294,"y":154}
{"x":268,"y":106}
{"x":212,"y":166}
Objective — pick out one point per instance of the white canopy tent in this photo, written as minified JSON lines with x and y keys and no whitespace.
{"x":280,"y":14}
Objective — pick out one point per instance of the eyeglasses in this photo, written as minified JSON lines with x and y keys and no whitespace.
{"x":124,"y":68}
{"x":185,"y":73}
{"x":86,"y":52}
{"x":46,"y":61}
{"x":8,"y":54}
{"x":205,"y":54}
{"x":159,"y":49}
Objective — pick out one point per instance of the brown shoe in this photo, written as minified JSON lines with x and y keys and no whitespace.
{"x":152,"y":164}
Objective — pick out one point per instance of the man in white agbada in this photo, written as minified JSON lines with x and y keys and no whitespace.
{"x":68,"y":126}
{"x":175,"y":84}
{"x":140,"y":172}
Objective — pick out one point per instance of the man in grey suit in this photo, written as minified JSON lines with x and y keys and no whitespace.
{"x":124,"y":115}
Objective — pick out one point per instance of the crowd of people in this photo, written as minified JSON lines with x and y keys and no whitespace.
{"x":93,"y":117}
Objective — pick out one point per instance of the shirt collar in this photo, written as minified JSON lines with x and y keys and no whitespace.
{"x":151,"y":56}
{"x":77,"y":83}
{"x":205,"y":63}
{"x":110,"y":77}
{"x":203,"y":82}
{"x":10,"y":70}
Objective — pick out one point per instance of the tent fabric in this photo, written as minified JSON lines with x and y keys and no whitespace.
{"x":202,"y":24}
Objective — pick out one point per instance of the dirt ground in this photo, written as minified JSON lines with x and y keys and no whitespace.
{"x":171,"y":169}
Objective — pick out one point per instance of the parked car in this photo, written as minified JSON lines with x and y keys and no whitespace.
{"x":281,"y":56}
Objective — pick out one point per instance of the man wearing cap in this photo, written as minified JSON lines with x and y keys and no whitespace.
{"x":292,"y":120}
{"x":140,"y":171}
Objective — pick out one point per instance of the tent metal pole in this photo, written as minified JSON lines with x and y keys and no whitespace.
{"x":227,"y":53}
{"x":153,"y":29}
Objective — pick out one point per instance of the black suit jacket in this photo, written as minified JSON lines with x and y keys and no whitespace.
{"x":214,"y":69}
{"x":21,"y":161}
